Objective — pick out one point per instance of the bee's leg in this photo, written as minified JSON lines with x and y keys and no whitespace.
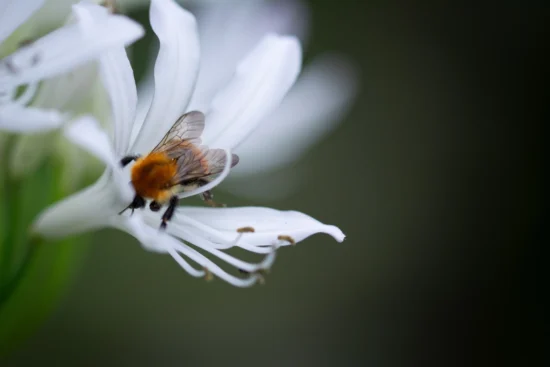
{"x":169,"y":213}
{"x":124,"y":161}
{"x":208,"y":196}
{"x":137,"y":203}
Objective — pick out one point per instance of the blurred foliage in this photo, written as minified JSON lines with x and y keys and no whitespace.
{"x":434,"y":179}
{"x":33,"y":273}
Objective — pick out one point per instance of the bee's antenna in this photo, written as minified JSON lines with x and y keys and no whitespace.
{"x":137,"y":203}
{"x":123,"y":210}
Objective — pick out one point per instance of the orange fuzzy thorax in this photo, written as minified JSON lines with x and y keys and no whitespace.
{"x":152,"y":176}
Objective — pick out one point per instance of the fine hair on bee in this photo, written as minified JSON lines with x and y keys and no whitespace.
{"x":179,"y":163}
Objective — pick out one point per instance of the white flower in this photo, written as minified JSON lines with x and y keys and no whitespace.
{"x":54,"y":54}
{"x":316,"y":103}
{"x":259,"y":84}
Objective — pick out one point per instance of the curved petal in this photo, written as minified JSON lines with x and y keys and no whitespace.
{"x":17,"y":118}
{"x":86,"y":133}
{"x":13,"y":13}
{"x":261,"y":81}
{"x":230,"y":29}
{"x":84,"y":211}
{"x":153,"y":240}
{"x":65,"y":48}
{"x":200,"y":242}
{"x":176,"y":71}
{"x":313,"y":107}
{"x":271,"y":227}
{"x":66,"y":91}
{"x":149,"y":237}
{"x":212,"y":267}
{"x":145,"y":92}
{"x":118,"y":78}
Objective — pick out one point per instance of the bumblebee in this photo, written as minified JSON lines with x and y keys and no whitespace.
{"x":178,"y":163}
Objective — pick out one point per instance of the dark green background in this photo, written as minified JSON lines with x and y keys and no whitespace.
{"x":433,"y":177}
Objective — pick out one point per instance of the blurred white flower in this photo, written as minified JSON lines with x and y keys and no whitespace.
{"x":51,"y":55}
{"x":317,"y":102}
{"x":261,"y":80}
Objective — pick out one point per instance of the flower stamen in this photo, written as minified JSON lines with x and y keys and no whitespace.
{"x":222,"y":243}
{"x":286,"y":238}
{"x":208,"y":276}
{"x":185,"y":265}
{"x":246,"y":230}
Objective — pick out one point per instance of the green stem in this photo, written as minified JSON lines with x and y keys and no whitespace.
{"x":9,"y":277}
{"x":10,"y":286}
{"x":10,"y":218}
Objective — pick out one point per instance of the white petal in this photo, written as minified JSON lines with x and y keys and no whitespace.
{"x":185,"y":226}
{"x":156,"y":241}
{"x":222,"y":223}
{"x":17,"y":118}
{"x":202,"y":243}
{"x":176,"y":70}
{"x":153,"y":240}
{"x":118,"y":78}
{"x":314,"y":106}
{"x":145,"y":92}
{"x":212,"y":267}
{"x":69,"y":46}
{"x":185,"y":265}
{"x":67,"y":91}
{"x":229,"y":30}
{"x":205,"y":244}
{"x":261,"y":81}
{"x":86,"y":133}
{"x":13,"y":13}
{"x":86,"y":210}
{"x":134,"y":224}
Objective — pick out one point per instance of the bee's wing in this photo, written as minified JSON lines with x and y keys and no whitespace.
{"x":182,"y":142}
{"x":188,"y":128}
{"x":201,"y":162}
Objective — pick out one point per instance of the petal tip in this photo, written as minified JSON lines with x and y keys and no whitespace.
{"x":172,"y":8}
{"x":335,"y":232}
{"x":291,"y":43}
